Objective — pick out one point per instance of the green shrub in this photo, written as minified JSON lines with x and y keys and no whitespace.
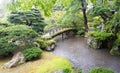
{"x":95,"y":21}
{"x":100,"y":70}
{"x":66,"y":70}
{"x":43,"y":42}
{"x":100,"y":35}
{"x":16,"y":37}
{"x":80,"y":32}
{"x":32,"y":53}
{"x":116,"y":46}
{"x":78,"y":70}
{"x":117,"y":41}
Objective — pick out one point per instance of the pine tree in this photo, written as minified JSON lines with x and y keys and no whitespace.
{"x":32,"y":18}
{"x":16,"y":37}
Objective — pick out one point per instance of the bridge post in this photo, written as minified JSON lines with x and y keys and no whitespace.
{"x":62,"y":36}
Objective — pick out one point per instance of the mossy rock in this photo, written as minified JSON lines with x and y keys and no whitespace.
{"x":100,"y":35}
{"x":95,"y":44}
{"x":115,"y":51}
{"x":45,"y":44}
{"x":100,"y":39}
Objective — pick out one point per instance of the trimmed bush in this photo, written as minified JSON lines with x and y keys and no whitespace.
{"x":32,"y":53}
{"x":100,"y":70}
{"x":100,"y":35}
{"x":16,"y":37}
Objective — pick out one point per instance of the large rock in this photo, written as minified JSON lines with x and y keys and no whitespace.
{"x":115,"y":50}
{"x":50,"y":47}
{"x":94,"y":43}
{"x":17,"y":59}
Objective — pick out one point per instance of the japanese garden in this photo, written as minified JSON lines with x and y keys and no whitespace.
{"x":59,"y":36}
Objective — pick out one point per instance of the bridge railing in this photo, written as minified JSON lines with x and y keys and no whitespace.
{"x":55,"y":29}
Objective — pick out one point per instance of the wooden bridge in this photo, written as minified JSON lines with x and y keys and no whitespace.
{"x":55,"y":31}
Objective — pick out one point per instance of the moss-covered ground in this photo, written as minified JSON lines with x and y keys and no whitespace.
{"x":46,"y":64}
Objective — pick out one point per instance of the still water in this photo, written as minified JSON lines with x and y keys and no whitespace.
{"x":80,"y":55}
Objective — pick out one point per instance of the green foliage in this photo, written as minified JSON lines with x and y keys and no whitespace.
{"x":117,"y":42}
{"x":66,"y":70}
{"x":102,"y":8}
{"x":54,"y":20}
{"x":95,"y":21}
{"x":46,"y":5}
{"x":115,"y":51}
{"x":99,"y":10}
{"x":72,"y":19}
{"x":49,"y":42}
{"x":100,"y":70}
{"x":117,"y":4}
{"x":111,"y":24}
{"x":73,"y":15}
{"x":16,"y":37}
{"x":72,"y":6}
{"x":116,"y":46}
{"x":80,"y":32}
{"x":100,"y":35}
{"x":98,"y":2}
{"x":32,"y":53}
{"x":31,"y":18}
{"x":79,"y":70}
{"x":93,"y":1}
{"x":44,"y":43}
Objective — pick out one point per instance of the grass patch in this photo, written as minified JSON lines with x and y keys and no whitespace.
{"x":54,"y":65}
{"x":47,"y":63}
{"x":100,"y":70}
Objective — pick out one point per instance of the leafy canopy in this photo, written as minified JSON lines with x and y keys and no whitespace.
{"x":46,"y":5}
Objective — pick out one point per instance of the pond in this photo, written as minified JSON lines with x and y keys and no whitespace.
{"x":80,"y":55}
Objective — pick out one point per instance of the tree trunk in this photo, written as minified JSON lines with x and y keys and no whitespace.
{"x":84,"y":15}
{"x":27,"y":23}
{"x":17,"y":59}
